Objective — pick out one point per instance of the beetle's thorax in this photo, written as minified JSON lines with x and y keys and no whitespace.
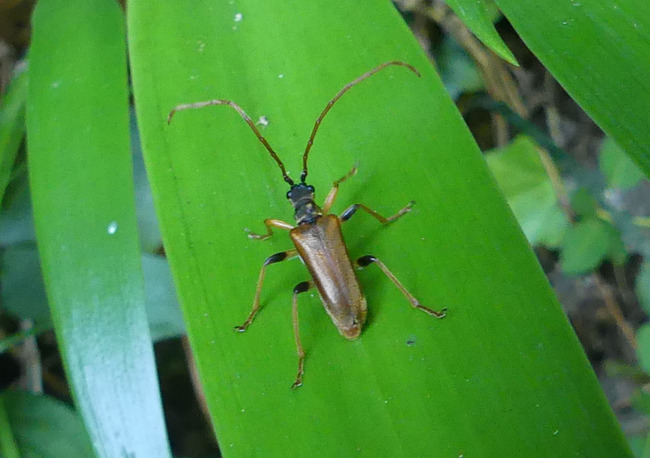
{"x":301,"y":197}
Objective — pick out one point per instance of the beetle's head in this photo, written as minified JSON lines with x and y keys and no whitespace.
{"x":301,"y":197}
{"x":300,"y":193}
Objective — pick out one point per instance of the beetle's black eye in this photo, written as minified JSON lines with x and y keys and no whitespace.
{"x":288,"y":194}
{"x":311,"y":188}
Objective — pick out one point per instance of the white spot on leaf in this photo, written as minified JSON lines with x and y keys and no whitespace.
{"x":112,"y":228}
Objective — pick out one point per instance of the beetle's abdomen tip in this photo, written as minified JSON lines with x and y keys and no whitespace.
{"x":352,"y":332}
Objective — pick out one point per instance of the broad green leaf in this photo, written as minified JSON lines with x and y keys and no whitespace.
{"x":45,"y":427}
{"x":588,"y":243}
{"x":12,"y":126}
{"x":476,"y":16}
{"x":503,"y":364}
{"x":530,"y":193}
{"x":82,"y":190}
{"x":599,"y":51}
{"x":621,"y":172}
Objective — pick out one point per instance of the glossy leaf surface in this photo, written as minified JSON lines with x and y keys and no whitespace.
{"x":503,"y":364}
{"x":82,"y":191}
{"x":600,"y":52}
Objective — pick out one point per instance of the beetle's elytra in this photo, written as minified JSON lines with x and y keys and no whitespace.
{"x":318,"y":240}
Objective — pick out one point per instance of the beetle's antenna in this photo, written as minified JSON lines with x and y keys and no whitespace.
{"x":187,"y":106}
{"x":346,"y":88}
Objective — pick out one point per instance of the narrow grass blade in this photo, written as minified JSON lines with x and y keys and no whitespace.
{"x":8,"y":445}
{"x":12,"y":126}
{"x":82,"y":189}
{"x":475,"y":15}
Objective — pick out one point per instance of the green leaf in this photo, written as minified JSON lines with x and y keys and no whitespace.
{"x":643,"y":286}
{"x":163,"y":312}
{"x":621,"y":172}
{"x":584,"y":203}
{"x":616,"y":251}
{"x":12,"y":126}
{"x":82,"y":190}
{"x":45,"y":427}
{"x":599,"y":51}
{"x":646,"y":448}
{"x":16,"y":219}
{"x":504,"y":363}
{"x":476,"y":16}
{"x":641,"y":400}
{"x":588,"y":243}
{"x":148,"y":230}
{"x":8,"y":445}
{"x":643,"y":351}
{"x":637,"y":443}
{"x":457,"y":70}
{"x":530,"y":193}
{"x":24,"y":293}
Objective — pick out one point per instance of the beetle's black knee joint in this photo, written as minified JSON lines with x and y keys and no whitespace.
{"x":301,"y":287}
{"x":365,"y":261}
{"x":277,"y":257}
{"x":347,"y":214}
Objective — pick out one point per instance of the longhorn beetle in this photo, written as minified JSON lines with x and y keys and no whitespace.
{"x":318,"y":239}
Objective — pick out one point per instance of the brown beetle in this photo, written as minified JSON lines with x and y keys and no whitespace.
{"x":318,"y":240}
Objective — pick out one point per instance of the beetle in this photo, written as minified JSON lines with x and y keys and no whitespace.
{"x":318,"y":239}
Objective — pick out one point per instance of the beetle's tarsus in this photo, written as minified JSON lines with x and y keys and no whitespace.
{"x":253,"y":235}
{"x":402,"y":212}
{"x":438,"y":314}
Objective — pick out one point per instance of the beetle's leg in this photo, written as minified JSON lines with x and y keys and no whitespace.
{"x":277,"y":257}
{"x":331,"y":196}
{"x":270,"y":224}
{"x":347,"y":214}
{"x":300,"y":288}
{"x":367,"y":260}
